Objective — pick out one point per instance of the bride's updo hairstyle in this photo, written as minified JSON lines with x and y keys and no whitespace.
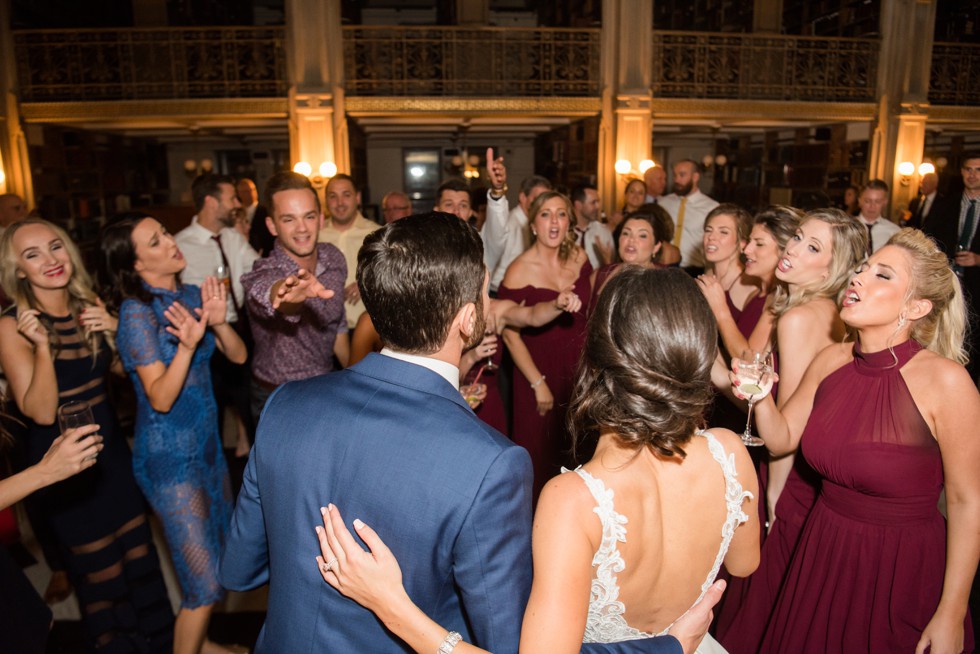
{"x":646,"y":369}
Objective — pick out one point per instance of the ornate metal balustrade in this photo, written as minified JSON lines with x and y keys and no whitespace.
{"x":456,"y":61}
{"x":955,"y":75}
{"x":763,"y":67}
{"x":145,"y":64}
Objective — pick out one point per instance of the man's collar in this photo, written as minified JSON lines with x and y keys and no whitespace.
{"x":447,"y":371}
{"x":202,"y":232}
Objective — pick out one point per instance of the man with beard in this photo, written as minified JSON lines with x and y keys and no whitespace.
{"x":689,"y":207}
{"x":211,"y":244}
{"x":295,"y":296}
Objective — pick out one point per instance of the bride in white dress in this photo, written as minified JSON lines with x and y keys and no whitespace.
{"x":627,"y":543}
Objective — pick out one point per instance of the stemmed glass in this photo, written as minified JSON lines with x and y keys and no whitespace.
{"x":753,"y":370}
{"x":491,"y":328}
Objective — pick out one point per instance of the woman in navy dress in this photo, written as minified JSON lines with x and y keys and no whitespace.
{"x":167,"y":333}
{"x":56,"y":347}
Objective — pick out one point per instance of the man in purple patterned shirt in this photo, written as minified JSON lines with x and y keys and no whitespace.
{"x":295,"y":296}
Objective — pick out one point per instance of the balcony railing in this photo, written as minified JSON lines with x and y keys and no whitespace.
{"x":457,"y":61}
{"x":763,"y":67}
{"x":150,"y":64}
{"x":955,"y":75}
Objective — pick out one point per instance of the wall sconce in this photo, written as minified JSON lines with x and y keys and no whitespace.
{"x":625,"y":167}
{"x":926,"y":168}
{"x":194,"y":168}
{"x":717,"y":160}
{"x":327,"y":170}
{"x":941,"y":162}
{"x":3,"y":179}
{"x":906,"y":169}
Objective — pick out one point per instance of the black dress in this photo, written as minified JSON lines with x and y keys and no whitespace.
{"x":99,"y":516}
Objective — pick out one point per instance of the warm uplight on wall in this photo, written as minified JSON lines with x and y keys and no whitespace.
{"x":625,"y":167}
{"x":326,"y":170}
{"x":906,"y":169}
{"x":3,"y":179}
{"x":194,"y":168}
{"x":926,"y":168}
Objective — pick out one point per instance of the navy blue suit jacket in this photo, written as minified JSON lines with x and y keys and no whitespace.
{"x":393,"y":444}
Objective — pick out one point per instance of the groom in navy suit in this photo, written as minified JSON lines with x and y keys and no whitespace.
{"x":392,"y":441}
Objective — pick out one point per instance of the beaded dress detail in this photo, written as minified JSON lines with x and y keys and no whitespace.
{"x":605,"y":623}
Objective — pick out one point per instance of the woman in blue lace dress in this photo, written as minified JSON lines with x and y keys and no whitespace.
{"x":167,"y":333}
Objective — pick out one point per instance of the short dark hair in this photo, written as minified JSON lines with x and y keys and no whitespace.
{"x":414,"y":276}
{"x":966,"y":156}
{"x":696,"y":165}
{"x":579,"y":192}
{"x":208,"y":184}
{"x":454,"y":184}
{"x":875,"y":185}
{"x":533,"y":182}
{"x":344,"y":177}
{"x":288,"y":181}
{"x":646,"y":369}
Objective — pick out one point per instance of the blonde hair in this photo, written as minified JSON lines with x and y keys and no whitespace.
{"x":943,"y":329}
{"x":568,"y":246}
{"x":848,"y":248}
{"x":81,"y":293}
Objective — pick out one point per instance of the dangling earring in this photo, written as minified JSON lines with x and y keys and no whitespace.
{"x":901,"y":320}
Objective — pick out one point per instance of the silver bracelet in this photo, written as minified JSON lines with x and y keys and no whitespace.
{"x":538,"y":383}
{"x":449,"y":643}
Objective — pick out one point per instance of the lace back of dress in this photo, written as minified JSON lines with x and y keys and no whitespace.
{"x":605,"y":621}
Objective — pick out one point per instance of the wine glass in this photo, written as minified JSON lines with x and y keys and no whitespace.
{"x":490,"y":329}
{"x":74,"y":414}
{"x":753,"y":370}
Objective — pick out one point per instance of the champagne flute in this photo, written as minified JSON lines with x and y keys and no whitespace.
{"x":753,"y":370}
{"x":491,"y":328}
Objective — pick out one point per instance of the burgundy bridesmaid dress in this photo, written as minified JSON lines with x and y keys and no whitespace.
{"x":556,"y":349}
{"x":868,"y":572}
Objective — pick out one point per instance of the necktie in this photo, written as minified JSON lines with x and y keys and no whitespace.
{"x":680,"y":222}
{"x":968,"y":226}
{"x":224,"y":260}
{"x":871,"y":242}
{"x":580,"y":236}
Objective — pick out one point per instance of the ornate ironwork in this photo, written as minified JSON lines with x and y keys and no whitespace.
{"x":763,"y":67}
{"x":955,"y":75}
{"x":142,"y":64}
{"x":457,"y":61}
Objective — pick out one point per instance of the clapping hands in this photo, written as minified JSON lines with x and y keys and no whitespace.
{"x":184,"y":327}
{"x":214,"y":300}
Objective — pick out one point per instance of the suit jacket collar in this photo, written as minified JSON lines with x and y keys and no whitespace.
{"x":408,"y":375}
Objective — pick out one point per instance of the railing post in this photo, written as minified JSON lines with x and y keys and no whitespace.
{"x":903,"y":94}
{"x":14,"y":161}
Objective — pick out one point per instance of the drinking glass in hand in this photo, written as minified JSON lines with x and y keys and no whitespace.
{"x":223,"y":275}
{"x":753,"y":370}
{"x":74,"y":414}
{"x":491,"y":328}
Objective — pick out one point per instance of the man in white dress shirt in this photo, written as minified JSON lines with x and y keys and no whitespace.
{"x":688,"y":207}
{"x":209,"y":242}
{"x":501,"y":247}
{"x":872,"y":202}
{"x":590,"y":233}
{"x":346,"y":230}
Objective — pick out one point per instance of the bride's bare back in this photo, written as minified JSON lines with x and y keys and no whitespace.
{"x":675,"y":511}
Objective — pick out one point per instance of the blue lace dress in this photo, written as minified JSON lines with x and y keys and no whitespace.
{"x":177,"y":458}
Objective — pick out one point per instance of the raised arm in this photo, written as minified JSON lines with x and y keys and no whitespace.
{"x":28,"y":362}
{"x":214,"y":300}
{"x":511,"y":314}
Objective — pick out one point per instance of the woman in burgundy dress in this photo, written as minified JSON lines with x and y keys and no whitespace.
{"x":545,"y":357}
{"x":886,"y":422}
{"x":639,"y":243}
{"x":813,"y":271}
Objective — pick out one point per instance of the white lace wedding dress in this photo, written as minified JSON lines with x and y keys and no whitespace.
{"x":606,"y":623}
